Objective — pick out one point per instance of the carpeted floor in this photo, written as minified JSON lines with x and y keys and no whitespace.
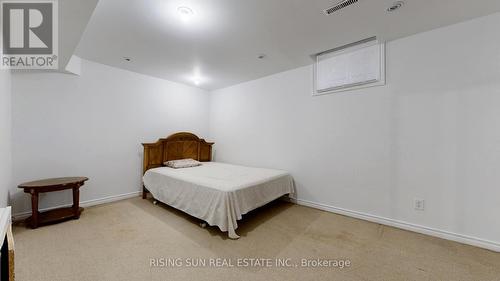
{"x":118,"y":242}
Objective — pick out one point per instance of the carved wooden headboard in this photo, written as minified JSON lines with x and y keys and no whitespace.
{"x":177,"y":146}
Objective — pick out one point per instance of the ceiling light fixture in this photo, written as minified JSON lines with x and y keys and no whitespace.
{"x":196,"y":81}
{"x":395,"y":6}
{"x":261,"y":56}
{"x":185,"y":12}
{"x":196,"y":77}
{"x":127,"y":59}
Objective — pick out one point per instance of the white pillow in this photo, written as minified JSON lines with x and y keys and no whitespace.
{"x":182,"y":163}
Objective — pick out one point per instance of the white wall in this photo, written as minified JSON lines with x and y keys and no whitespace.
{"x":5,"y":136}
{"x":93,"y":125}
{"x":431,"y":133}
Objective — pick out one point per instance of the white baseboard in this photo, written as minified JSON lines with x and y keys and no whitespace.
{"x":87,"y":203}
{"x":473,"y":241}
{"x":469,"y":240}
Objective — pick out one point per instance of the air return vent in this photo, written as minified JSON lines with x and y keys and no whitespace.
{"x":339,"y":6}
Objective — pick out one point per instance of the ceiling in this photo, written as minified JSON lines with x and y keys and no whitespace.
{"x":219,"y":44}
{"x":73,"y":18}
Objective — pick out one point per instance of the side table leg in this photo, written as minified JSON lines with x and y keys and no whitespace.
{"x":34,"y":209}
{"x":76,"y":201}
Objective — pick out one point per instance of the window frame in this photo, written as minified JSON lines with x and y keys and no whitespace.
{"x":354,"y":86}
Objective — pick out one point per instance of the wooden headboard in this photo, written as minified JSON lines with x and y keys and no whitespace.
{"x":177,"y":146}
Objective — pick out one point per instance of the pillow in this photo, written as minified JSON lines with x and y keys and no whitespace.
{"x":182,"y":163}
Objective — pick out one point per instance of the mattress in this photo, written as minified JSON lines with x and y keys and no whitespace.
{"x":217,"y":193}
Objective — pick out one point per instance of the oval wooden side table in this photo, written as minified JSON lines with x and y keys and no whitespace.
{"x":49,"y":185}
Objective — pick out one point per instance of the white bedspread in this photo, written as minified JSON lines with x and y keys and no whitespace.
{"x":217,"y":193}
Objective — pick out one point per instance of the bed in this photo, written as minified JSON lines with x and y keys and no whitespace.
{"x":217,"y":193}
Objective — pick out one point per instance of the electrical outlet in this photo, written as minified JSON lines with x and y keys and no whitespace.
{"x":419,"y":204}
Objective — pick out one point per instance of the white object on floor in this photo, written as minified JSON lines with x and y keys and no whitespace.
{"x":5,"y":221}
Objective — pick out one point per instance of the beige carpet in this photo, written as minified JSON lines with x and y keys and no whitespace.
{"x":116,"y":242}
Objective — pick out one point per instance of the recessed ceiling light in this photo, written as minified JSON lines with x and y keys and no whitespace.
{"x":127,"y":59}
{"x":197,"y":79}
{"x":395,"y":6}
{"x":185,"y":12}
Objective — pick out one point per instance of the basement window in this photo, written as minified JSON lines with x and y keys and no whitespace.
{"x":354,"y":66}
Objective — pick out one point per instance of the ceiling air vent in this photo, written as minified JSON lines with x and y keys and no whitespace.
{"x":339,"y":6}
